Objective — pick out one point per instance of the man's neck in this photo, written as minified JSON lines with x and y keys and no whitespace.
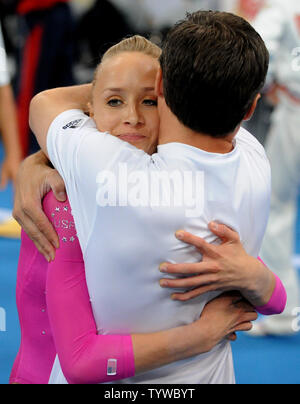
{"x":171,"y":130}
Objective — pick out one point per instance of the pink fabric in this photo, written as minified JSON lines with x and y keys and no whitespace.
{"x":278,"y":300}
{"x":82,"y":353}
{"x":37,"y":351}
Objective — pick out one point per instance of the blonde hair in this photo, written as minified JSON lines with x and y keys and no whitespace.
{"x":134,"y":43}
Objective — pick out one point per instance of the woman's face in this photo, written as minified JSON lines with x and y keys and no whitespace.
{"x":124,"y":100}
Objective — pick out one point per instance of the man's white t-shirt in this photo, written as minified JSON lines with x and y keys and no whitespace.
{"x":149,"y":198}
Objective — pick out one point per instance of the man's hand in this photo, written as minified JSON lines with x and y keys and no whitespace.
{"x":35,"y":179}
{"x":224,"y":267}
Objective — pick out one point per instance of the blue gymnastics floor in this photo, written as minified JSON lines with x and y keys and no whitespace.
{"x":257,"y":361}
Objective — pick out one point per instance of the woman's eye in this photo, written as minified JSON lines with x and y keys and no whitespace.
{"x":152,"y":103}
{"x":114,"y":102}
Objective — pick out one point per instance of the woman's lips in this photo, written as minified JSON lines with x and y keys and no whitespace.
{"x":131,"y":137}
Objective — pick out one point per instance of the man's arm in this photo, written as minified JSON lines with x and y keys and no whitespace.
{"x":46,"y":106}
{"x":224,"y":267}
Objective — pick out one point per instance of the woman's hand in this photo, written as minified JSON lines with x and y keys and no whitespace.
{"x":35,"y":179}
{"x":222,"y":317}
{"x":224,"y":267}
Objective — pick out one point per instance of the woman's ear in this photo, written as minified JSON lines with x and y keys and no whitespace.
{"x":159,"y":88}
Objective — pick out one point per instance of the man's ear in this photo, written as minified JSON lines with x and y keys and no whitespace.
{"x":251,"y":111}
{"x":90,"y":109}
{"x":159,"y":88}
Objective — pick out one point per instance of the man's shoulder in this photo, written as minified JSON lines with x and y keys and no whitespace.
{"x":254,"y":154}
{"x":246,"y":141}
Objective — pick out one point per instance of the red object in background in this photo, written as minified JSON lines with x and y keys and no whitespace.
{"x":250,"y":8}
{"x":26,"y":6}
{"x":297,"y":20}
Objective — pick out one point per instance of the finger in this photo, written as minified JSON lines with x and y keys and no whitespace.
{"x":42,"y":225}
{"x":245,"y":306}
{"x":57,"y":185}
{"x":3,"y":182}
{"x":184,"y":297}
{"x":188,"y":269}
{"x":191,"y":282}
{"x":247,"y":326}
{"x":223,"y":232}
{"x":249,"y":316}
{"x":236,"y":297}
{"x":232,"y":337}
{"x":239,"y":299}
{"x":198,"y":242}
{"x":41,"y":243}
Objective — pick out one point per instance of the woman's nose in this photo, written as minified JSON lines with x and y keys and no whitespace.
{"x":134,"y":117}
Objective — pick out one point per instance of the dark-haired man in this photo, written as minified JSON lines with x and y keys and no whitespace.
{"x":213,"y":67}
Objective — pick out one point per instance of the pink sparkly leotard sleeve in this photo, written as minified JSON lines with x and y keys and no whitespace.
{"x":85,"y":357}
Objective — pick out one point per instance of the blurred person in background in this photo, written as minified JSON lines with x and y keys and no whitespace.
{"x":95,"y":28}
{"x":163,"y":14}
{"x":247,"y":9}
{"x":279,"y":25}
{"x":46,"y":56}
{"x":259,"y":124}
{"x":157,"y":16}
{"x":8,"y":127}
{"x":10,"y":138}
{"x":153,"y":18}
{"x":7,"y":10}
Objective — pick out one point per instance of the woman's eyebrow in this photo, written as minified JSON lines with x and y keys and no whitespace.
{"x":114,"y":90}
{"x":119,"y":90}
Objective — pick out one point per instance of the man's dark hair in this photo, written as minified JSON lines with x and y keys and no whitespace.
{"x":214,"y":64}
